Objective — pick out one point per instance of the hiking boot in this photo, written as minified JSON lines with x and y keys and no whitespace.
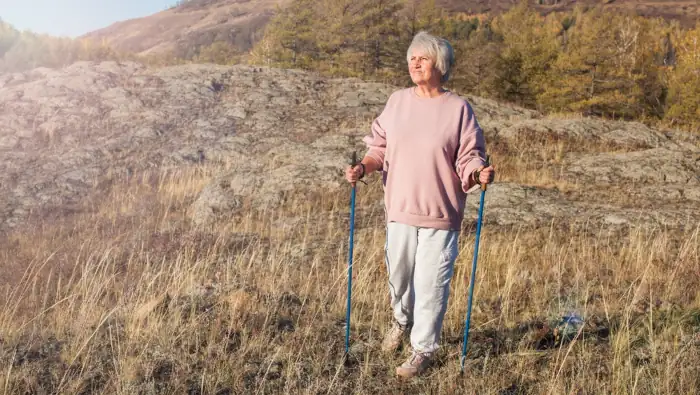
{"x":394,"y":337}
{"x":414,"y":365}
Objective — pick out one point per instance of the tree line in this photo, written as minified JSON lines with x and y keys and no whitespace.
{"x":585,"y":61}
{"x":23,"y":50}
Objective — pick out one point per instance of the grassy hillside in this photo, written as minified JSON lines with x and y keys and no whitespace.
{"x":109,"y":285}
{"x":181,"y":30}
{"x":192,"y":23}
{"x":128,"y":297}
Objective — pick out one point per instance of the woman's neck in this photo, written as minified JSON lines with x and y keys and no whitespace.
{"x":429,"y":90}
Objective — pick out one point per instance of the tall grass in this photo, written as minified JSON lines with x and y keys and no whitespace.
{"x":127,"y":297}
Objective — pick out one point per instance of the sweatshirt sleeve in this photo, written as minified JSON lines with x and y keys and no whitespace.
{"x":376,"y":140}
{"x":471,"y":153}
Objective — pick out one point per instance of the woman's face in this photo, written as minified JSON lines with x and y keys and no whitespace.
{"x":422,"y":69}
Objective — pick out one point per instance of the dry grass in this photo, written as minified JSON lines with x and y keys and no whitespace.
{"x":540,"y":159}
{"x":128,"y":299}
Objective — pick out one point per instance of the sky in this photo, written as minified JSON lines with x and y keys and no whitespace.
{"x":73,"y":18}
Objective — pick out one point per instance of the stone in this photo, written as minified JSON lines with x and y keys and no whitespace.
{"x":224,"y":197}
{"x":625,"y":135}
{"x":656,"y":165}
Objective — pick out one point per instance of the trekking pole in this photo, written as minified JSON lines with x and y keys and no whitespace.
{"x":471,"y":281}
{"x":353,"y":163}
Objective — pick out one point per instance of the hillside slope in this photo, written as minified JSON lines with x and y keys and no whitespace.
{"x":185,"y":230}
{"x":201,"y":22}
{"x":195,"y":23}
{"x":67,"y":133}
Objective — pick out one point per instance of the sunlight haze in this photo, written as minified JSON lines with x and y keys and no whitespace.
{"x":75,"y":17}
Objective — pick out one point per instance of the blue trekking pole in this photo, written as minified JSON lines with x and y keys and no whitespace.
{"x":353,"y":163}
{"x":471,"y":282}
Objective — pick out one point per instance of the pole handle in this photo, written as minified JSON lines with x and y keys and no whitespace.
{"x":488,"y":163}
{"x":354,"y":162}
{"x":478,"y":173}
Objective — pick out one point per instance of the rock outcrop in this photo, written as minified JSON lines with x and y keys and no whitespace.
{"x":64,"y":133}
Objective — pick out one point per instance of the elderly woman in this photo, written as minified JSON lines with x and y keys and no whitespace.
{"x":431,"y":150}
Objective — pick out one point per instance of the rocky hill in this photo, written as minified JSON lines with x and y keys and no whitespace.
{"x":194,"y":23}
{"x":67,"y":134}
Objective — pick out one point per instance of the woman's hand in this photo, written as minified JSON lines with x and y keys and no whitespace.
{"x":486,"y":174}
{"x":353,"y":174}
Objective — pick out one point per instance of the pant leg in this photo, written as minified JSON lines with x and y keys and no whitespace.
{"x":435,"y":256}
{"x":400,"y":252}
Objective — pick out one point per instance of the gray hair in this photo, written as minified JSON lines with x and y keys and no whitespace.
{"x":439,"y":50}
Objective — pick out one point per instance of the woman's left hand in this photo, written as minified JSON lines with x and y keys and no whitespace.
{"x":486,"y":175}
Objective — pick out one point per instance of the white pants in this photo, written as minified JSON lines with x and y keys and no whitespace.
{"x":420,"y":262}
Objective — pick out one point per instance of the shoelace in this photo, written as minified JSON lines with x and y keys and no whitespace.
{"x":416,"y":356}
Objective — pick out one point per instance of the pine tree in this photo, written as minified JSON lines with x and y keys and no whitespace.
{"x":529,"y":47}
{"x":421,"y":15}
{"x":337,"y":37}
{"x":377,"y":27}
{"x":607,"y":68}
{"x":684,"y":84}
{"x":291,"y":31}
{"x":474,"y":63}
{"x":8,"y":37}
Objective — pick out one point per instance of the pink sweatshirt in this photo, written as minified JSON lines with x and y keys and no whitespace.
{"x":429,"y":147}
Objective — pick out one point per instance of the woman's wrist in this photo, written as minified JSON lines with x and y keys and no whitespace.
{"x":369,"y":165}
{"x":475,"y":176}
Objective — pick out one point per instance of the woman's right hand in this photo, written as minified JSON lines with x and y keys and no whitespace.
{"x":353,"y":174}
